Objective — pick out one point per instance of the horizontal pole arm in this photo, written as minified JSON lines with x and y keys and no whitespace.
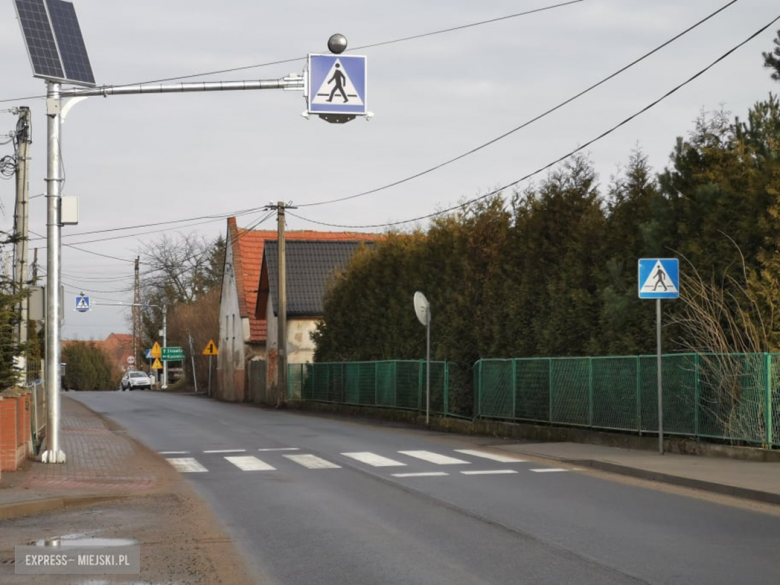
{"x":291,"y":82}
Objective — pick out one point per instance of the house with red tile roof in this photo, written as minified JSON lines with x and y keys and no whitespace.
{"x":242,"y":332}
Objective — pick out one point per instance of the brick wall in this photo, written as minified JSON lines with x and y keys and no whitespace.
{"x":14,"y":431}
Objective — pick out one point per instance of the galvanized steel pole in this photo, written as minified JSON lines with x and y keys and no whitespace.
{"x":428,"y":368}
{"x":292,"y":82}
{"x":53,"y":453}
{"x":660,"y":383}
{"x":165,"y":344}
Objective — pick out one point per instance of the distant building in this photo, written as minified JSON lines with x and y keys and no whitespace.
{"x":243,"y":335}
{"x":310,"y":264}
{"x":117,"y":346}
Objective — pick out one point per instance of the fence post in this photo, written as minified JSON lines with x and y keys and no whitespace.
{"x":639,"y":394}
{"x":420,"y":379}
{"x":590,"y":392}
{"x":376,"y":383}
{"x":395,"y":384}
{"x":550,"y":389}
{"x":768,"y":409}
{"x":446,"y":388}
{"x":479,"y":389}
{"x":514,"y":389}
{"x":696,"y":396}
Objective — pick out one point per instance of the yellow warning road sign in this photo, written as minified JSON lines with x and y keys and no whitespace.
{"x":211,"y":348}
{"x":156,"y":351}
{"x":157,"y":365}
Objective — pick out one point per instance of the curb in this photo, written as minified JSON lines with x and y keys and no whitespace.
{"x":45,"y":505}
{"x":689,"y":482}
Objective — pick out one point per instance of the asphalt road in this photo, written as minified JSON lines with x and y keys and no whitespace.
{"x":316,"y":500}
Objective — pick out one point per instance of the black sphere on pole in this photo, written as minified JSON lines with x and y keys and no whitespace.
{"x":337,"y":43}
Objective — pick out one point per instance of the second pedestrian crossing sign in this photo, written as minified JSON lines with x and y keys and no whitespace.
{"x":337,"y":84}
{"x":659,"y":278}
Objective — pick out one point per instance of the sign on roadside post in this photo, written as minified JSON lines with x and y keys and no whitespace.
{"x":172,"y":354}
{"x":659,"y":278}
{"x":211,"y":350}
{"x":82,"y":303}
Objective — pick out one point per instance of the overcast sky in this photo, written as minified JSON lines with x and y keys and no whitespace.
{"x":139,"y":159}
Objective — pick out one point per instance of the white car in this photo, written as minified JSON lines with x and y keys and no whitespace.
{"x":133,"y":380}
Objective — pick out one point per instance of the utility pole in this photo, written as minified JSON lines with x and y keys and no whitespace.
{"x":136,"y":310}
{"x":21,"y":217}
{"x":282,"y":333}
{"x":281,"y":338}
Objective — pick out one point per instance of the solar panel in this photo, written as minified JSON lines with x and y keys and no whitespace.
{"x":53,"y":37}
{"x":70,"y":42}
{"x":39,"y":38}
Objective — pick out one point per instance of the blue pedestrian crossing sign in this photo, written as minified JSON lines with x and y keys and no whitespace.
{"x":337,"y":84}
{"x":82,"y":304}
{"x":659,"y":278}
{"x":148,"y":354}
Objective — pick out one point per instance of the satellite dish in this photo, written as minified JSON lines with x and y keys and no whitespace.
{"x":422,"y":308}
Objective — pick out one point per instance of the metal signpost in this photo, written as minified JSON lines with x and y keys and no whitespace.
{"x":211,"y":350}
{"x":58,"y":55}
{"x":659,"y":278}
{"x":422,"y":309}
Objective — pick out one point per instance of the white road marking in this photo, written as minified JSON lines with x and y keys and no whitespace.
{"x":312,"y":462}
{"x":173,"y":452}
{"x":281,"y":449}
{"x":489,"y":472}
{"x":424,"y":474}
{"x":227,"y":451}
{"x":374,"y":460}
{"x":548,"y":470}
{"x":186,"y":465}
{"x":434,"y":458}
{"x":250,"y":463}
{"x":491,"y":456}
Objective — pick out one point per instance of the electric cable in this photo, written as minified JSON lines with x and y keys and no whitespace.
{"x":524,"y":124}
{"x":560,"y":159}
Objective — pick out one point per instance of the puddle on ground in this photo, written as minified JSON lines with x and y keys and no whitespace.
{"x":83,"y":540}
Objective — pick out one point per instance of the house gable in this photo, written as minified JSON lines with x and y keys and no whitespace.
{"x":309,"y":266}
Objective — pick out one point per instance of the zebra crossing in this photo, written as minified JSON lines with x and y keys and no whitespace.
{"x":277,"y":457}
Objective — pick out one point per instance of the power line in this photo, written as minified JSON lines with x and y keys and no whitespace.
{"x":217,"y":217}
{"x":524,"y":124}
{"x":368,"y":46}
{"x":562,"y":158}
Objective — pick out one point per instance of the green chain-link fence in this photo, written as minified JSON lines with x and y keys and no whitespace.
{"x":732,"y":396}
{"x":394,"y":384}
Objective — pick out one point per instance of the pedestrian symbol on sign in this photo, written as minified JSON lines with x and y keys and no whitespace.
{"x":659,"y":278}
{"x":82,"y":304}
{"x":337,"y":81}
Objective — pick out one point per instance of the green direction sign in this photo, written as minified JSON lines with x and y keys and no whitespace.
{"x":172,"y":354}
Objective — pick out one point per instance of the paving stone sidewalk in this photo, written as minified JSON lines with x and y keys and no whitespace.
{"x":99,"y":463}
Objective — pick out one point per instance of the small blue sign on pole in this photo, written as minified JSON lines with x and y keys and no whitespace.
{"x":82,"y":304}
{"x":659,"y":278}
{"x":148,"y":354}
{"x":337,"y":84}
